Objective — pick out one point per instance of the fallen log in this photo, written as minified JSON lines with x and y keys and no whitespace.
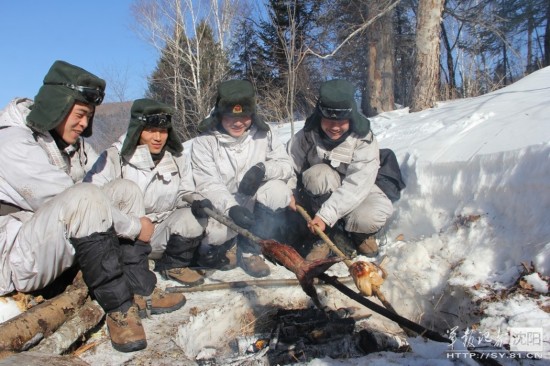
{"x":35,"y":358}
{"x":87,"y":317}
{"x":28,"y":328}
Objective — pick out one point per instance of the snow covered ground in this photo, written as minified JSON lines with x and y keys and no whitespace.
{"x":468,"y":246}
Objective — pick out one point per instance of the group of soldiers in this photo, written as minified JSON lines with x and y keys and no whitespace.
{"x":144,"y":198}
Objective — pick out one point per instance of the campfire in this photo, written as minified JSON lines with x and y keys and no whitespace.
{"x":299,"y":335}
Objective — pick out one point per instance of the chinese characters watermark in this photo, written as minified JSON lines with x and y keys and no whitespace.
{"x":524,"y":342}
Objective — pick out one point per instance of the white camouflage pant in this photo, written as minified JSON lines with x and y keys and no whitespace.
{"x":128,"y":198}
{"x":371,"y":214}
{"x":42,"y":250}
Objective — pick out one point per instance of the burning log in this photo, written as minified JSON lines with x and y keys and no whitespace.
{"x":28,"y":328}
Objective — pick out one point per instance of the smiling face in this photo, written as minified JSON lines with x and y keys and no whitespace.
{"x":154,"y":138}
{"x":236,"y":126}
{"x":334,"y":128}
{"x":75,"y":123}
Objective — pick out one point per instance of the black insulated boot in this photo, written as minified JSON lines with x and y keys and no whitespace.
{"x":99,"y":258}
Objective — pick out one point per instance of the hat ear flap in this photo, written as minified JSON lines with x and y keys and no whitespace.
{"x":259,"y":122}
{"x":314,"y":119}
{"x":88,"y":130}
{"x":359,"y":123}
{"x":209,"y":122}
{"x":173,"y":143}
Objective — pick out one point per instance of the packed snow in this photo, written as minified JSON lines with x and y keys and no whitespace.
{"x":467,"y":247}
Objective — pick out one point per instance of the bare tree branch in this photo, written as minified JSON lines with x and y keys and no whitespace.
{"x":360,"y":29}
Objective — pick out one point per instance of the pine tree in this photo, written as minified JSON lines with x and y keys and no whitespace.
{"x":249,"y":60}
{"x":284,"y":37}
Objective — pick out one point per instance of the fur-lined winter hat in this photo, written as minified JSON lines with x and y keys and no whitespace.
{"x":64,"y":84}
{"x":234,"y":98}
{"x":337,"y":101}
{"x":150,"y":113}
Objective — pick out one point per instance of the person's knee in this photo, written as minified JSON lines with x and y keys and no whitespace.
{"x":84,"y":195}
{"x":126,"y":196}
{"x":274,"y":194}
{"x":184,"y":223}
{"x":122,"y":188}
{"x":86,"y":191}
{"x":216,"y":234}
{"x":368,"y":220}
{"x":320,"y":179}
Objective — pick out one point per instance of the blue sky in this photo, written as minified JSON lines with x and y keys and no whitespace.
{"x":95,"y":35}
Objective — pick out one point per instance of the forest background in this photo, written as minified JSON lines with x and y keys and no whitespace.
{"x":398,"y":53}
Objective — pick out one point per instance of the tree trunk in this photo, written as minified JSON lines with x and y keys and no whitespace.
{"x":87,"y":317}
{"x":426,"y":79}
{"x":380,"y":95}
{"x":451,"y":92}
{"x":547,"y":38}
{"x":26,"y":329}
{"x":37,"y":358}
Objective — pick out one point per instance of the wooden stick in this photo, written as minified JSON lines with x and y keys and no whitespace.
{"x":230,"y":224}
{"x":324,"y":236}
{"x":242,"y":284}
{"x":87,"y":317}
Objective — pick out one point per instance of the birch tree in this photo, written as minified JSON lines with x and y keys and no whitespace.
{"x":191,"y":38}
{"x":285,"y":32}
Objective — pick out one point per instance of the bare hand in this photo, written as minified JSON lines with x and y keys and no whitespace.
{"x":147,"y":229}
{"x":316,"y":222}
{"x":292,"y":204}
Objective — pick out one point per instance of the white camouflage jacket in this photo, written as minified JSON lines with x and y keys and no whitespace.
{"x":220,"y":161}
{"x":32,"y":170}
{"x":163,"y":186}
{"x":356,"y":160}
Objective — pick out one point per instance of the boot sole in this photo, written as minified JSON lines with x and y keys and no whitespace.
{"x":155,"y":311}
{"x":264,"y":273}
{"x":228,"y":267}
{"x":189,"y":284}
{"x":130,"y":347}
{"x":257,"y":274}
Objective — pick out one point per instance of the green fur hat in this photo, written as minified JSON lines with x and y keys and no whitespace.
{"x":234,"y":98}
{"x":150,"y":113}
{"x":337,"y":101}
{"x":64,"y":84}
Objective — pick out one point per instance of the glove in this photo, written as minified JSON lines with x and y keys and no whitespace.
{"x":198,"y":206}
{"x":252,"y":180}
{"x":242,"y":216}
